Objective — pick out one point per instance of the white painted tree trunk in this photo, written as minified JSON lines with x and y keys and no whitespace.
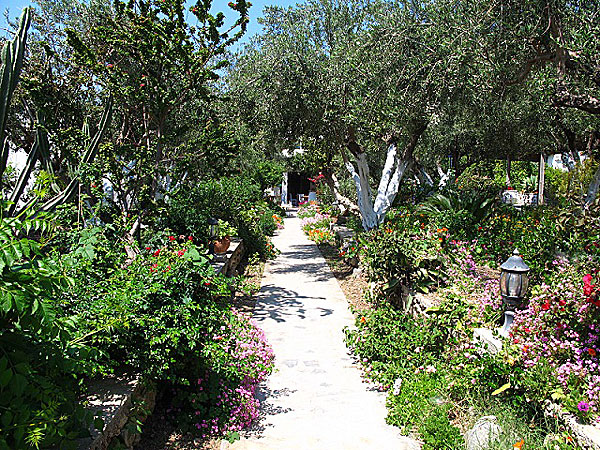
{"x":593,"y":188}
{"x":373,"y":213}
{"x":444,"y":176}
{"x":284,"y":189}
{"x":343,"y":202}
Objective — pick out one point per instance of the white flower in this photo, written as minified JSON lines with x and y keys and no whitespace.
{"x":397,"y":386}
{"x":430,"y":369}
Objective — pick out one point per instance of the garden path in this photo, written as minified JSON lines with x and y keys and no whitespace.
{"x":315,"y":398}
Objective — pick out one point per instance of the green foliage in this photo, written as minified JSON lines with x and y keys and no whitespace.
{"x":236,"y":200}
{"x":150,"y":315}
{"x":40,"y":355}
{"x":435,"y":377}
{"x":405,"y":252}
{"x":268,"y":174}
{"x":12,"y":60}
{"x":459,"y":211}
{"x":225,"y":230}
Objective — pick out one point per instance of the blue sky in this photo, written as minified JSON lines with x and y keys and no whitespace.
{"x":16,"y":6}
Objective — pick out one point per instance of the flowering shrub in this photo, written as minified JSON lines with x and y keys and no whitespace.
{"x":308,"y":210}
{"x":278,"y":221}
{"x":533,"y":232}
{"x":405,"y":251}
{"x":167,"y":314}
{"x":561,"y":329}
{"x":220,"y":400}
{"x":315,"y":224}
{"x":149,"y":313}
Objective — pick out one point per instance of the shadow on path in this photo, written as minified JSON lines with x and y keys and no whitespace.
{"x":279,"y":303}
{"x":267,"y":408}
{"x":288,"y":263}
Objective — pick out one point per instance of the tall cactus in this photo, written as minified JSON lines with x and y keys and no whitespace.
{"x":12,"y":62}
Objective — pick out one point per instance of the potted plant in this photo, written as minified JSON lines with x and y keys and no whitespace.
{"x":223,"y":239}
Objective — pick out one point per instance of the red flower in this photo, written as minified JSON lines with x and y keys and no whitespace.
{"x":588,"y":287}
{"x":157,"y":252}
{"x":147,"y":248}
{"x":190,"y":238}
{"x":206,"y":283}
{"x":181,"y":252}
{"x":546,"y":306}
{"x":171,"y":238}
{"x":592,"y":351}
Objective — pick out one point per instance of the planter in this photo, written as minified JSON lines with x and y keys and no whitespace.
{"x":222,"y":245}
{"x":353,"y":262}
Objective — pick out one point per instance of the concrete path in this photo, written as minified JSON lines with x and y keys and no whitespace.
{"x":315,"y":398}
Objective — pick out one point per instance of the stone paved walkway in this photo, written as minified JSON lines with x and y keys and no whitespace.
{"x":315,"y":398}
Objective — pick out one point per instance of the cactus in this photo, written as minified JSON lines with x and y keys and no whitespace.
{"x":12,"y":62}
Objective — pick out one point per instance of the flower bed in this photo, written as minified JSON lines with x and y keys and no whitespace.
{"x":315,"y":224}
{"x":433,"y":372}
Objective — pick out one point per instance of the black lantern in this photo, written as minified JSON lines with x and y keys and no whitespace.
{"x":212,"y":231}
{"x":514,"y":280}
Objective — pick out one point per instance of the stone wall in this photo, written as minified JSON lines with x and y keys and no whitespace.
{"x":123,"y":402}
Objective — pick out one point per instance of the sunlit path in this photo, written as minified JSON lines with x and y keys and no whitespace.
{"x":315,"y":399}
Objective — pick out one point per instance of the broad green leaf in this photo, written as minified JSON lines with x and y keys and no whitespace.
{"x":5,"y":377}
{"x":7,"y":419}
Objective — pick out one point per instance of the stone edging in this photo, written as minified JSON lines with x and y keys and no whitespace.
{"x":119,"y":400}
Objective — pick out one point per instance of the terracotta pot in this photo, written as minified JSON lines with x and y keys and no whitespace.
{"x":222,"y":245}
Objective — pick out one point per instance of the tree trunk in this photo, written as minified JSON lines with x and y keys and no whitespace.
{"x":284,"y":189}
{"x":508,"y":167}
{"x":373,"y":213}
{"x":344,"y":202}
{"x":456,"y":163}
{"x":444,"y":176}
{"x":541,"y":179}
{"x":130,"y":240}
{"x":593,"y":188}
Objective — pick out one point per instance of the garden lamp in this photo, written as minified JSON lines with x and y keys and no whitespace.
{"x":212,"y":230}
{"x":514,"y":280}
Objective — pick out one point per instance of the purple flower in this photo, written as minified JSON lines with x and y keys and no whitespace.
{"x":583,"y":407}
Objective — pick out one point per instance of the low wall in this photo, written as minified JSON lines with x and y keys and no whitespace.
{"x":123,"y":402}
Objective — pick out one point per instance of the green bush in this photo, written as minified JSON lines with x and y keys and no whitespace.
{"x":404,"y":251}
{"x":152,"y":314}
{"x":40,"y":356}
{"x":237,"y":200}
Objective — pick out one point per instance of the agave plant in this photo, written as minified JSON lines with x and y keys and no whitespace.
{"x":480,"y":207}
{"x":12,"y":62}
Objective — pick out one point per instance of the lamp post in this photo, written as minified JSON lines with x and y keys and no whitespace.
{"x":212,"y":230}
{"x":514,"y":280}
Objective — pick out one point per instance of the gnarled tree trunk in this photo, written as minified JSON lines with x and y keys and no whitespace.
{"x":396,"y":165}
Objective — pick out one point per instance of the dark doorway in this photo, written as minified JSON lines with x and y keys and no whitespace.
{"x":298,"y":185}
